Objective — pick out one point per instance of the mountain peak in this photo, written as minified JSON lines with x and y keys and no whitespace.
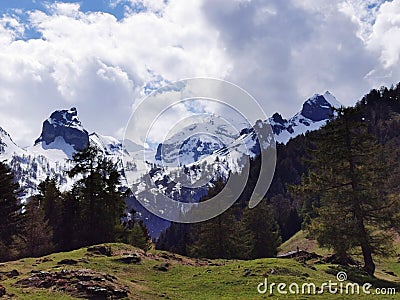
{"x":67,"y":118}
{"x":317,"y":108}
{"x":64,"y":124}
{"x":277,"y":118}
{"x":315,"y":112}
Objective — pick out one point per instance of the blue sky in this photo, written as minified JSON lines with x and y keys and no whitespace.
{"x":56,"y":55}
{"x":116,"y":8}
{"x":88,"y":5}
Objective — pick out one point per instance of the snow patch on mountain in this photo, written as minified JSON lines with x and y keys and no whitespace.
{"x":7,"y":145}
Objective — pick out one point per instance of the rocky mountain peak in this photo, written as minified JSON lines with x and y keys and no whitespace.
{"x":317,"y":108}
{"x":64,"y":124}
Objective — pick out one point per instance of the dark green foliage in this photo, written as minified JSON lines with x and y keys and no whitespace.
{"x":10,"y":210}
{"x":286,"y":215}
{"x":36,"y":236}
{"x":176,"y":238}
{"x":101,"y":205}
{"x":222,"y":237}
{"x":345,"y":193}
{"x":261,"y":223}
{"x":135,"y":232}
{"x":139,"y":236}
{"x":51,"y":202}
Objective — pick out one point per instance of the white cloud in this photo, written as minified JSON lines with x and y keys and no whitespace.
{"x":280,"y":51}
{"x":99,"y":64}
{"x":299,"y":49}
{"x":385,"y":37}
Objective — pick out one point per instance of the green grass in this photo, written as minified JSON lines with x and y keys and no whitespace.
{"x":301,"y":240}
{"x":223,"y":279}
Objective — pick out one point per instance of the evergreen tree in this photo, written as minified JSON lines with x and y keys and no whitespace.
{"x":69,"y":233}
{"x":176,"y":238}
{"x":36,"y":237}
{"x":136,"y":233}
{"x":261,"y":223}
{"x":286,"y":215}
{"x":10,"y":210}
{"x":345,"y":192}
{"x":50,"y":201}
{"x":101,"y":203}
{"x":222,"y":237}
{"x":139,"y":236}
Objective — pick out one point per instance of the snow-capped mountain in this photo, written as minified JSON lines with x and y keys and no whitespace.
{"x":186,"y":147}
{"x":314,"y":114}
{"x":62,"y":134}
{"x":7,"y":145}
{"x":195,"y":141}
{"x":63,"y":128}
{"x":197,"y":153}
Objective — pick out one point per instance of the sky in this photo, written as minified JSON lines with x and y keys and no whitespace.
{"x":103,"y":56}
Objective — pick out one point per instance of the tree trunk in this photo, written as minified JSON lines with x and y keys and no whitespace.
{"x":369,"y":265}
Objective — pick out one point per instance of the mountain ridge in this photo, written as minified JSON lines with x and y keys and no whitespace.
{"x":63,"y":133}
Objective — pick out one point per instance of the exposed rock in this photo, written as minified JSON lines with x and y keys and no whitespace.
{"x":100,"y":250}
{"x":64,"y":124}
{"x":69,"y":262}
{"x":84,"y":283}
{"x":132,"y":259}
{"x":10,"y":274}
{"x":2,"y":291}
{"x":317,"y":108}
{"x":43,"y":260}
{"x":334,"y":259}
{"x":391,"y":273}
{"x":162,"y":267}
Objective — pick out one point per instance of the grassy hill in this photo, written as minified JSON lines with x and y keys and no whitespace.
{"x":120,"y":271}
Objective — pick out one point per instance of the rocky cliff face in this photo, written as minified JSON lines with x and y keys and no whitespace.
{"x":316,"y":109}
{"x":66,"y":125}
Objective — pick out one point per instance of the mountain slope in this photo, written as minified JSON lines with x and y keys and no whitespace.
{"x":129,"y":273}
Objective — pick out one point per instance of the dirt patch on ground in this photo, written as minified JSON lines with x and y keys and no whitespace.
{"x":162,"y":257}
{"x":83,"y":283}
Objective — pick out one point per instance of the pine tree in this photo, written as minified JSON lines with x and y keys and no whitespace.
{"x":135,"y":232}
{"x":69,"y":233}
{"x":260,"y":221}
{"x":345,"y":193}
{"x":139,"y":236}
{"x":222,"y":237}
{"x":50,"y":201}
{"x":36,"y":237}
{"x":10,"y":210}
{"x":176,"y":238}
{"x":101,"y":204}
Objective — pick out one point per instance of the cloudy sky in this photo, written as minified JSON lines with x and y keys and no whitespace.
{"x":103,"y":56}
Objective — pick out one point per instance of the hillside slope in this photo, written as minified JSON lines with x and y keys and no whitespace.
{"x":118,"y":271}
